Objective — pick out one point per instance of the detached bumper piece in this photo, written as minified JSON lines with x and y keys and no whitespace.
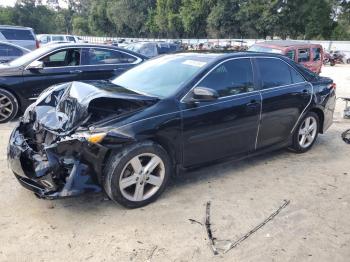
{"x":60,"y":169}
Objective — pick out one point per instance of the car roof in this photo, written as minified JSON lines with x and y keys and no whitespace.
{"x":15,"y":27}
{"x":218,"y":56}
{"x":81,"y":45}
{"x":284,"y":43}
{"x":53,"y":35}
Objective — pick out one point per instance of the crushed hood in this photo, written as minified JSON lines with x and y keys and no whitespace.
{"x":63,"y":108}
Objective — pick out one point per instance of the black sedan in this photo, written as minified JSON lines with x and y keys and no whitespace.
{"x":9,"y":51}
{"x":128,"y":135}
{"x":23,"y":79}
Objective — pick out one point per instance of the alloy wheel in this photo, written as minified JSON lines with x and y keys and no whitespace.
{"x":307,"y":132}
{"x":142,"y":177}
{"x":6,"y":107}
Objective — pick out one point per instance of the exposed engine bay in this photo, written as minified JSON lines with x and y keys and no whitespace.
{"x":49,"y":150}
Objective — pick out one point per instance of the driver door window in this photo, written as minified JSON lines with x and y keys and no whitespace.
{"x":231,"y":78}
{"x":67,"y":57}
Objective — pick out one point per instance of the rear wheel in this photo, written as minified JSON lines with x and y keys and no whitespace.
{"x":306,"y":133}
{"x":8,"y":106}
{"x":136,"y":176}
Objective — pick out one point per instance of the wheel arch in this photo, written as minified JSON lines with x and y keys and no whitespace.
{"x":320,"y":115}
{"x":167,"y":146}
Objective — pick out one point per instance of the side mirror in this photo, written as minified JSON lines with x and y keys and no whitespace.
{"x":204,"y":94}
{"x":35,"y":65}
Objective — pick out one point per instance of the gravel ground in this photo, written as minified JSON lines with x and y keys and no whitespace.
{"x":315,"y":226}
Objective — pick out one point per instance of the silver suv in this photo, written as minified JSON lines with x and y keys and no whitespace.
{"x":22,"y":36}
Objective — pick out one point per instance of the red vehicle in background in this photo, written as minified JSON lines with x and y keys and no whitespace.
{"x":309,"y":55}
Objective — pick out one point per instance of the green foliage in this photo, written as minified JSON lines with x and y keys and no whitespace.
{"x":223,"y":20}
{"x":194,"y":14}
{"x":298,"y":19}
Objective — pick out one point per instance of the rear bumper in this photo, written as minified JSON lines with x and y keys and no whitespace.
{"x":61,"y":170}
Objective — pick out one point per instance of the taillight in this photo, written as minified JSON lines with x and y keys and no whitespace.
{"x":37,"y":44}
{"x":332,"y":86}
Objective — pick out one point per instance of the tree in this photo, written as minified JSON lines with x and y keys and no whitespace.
{"x":168,"y":18}
{"x":80,"y":26}
{"x":7,"y":16}
{"x":99,"y":23}
{"x":223,"y":20}
{"x":259,"y":17}
{"x":194,"y":15}
{"x":129,"y":17}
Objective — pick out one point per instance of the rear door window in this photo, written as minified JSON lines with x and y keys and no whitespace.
{"x":273,"y":72}
{"x":44,"y":39}
{"x":231,"y":78}
{"x":316,"y":54}
{"x":7,"y":50}
{"x":71,"y":39}
{"x":291,"y":54}
{"x":98,"y":56}
{"x":303,"y":55}
{"x":57,"y":38}
{"x":17,"y":34}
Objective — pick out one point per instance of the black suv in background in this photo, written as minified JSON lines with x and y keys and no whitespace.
{"x":23,"y":79}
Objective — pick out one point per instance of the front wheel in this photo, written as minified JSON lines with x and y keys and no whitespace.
{"x":306,"y":133}
{"x":137,"y":175}
{"x":8,"y":106}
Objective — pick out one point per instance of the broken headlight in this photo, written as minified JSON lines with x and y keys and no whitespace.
{"x":93,"y":138}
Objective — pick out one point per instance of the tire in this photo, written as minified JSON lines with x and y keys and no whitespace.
{"x":8,"y":106}
{"x":332,"y":63}
{"x":304,"y":139}
{"x":123,"y":184}
{"x":348,"y":61}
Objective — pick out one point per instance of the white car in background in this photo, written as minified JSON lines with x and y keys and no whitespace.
{"x":45,"y":39}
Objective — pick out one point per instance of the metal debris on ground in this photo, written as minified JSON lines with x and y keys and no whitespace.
{"x":193,"y":221}
{"x":272,"y":216}
{"x":346,"y":136}
{"x":209,"y":232}
{"x":240,"y":240}
{"x":149,"y":259}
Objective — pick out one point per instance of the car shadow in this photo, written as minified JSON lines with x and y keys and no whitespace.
{"x":222,"y":169}
{"x":99,"y":202}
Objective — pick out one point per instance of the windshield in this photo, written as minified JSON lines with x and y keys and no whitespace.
{"x":163,"y":76}
{"x":29,"y":56}
{"x":257,"y":48}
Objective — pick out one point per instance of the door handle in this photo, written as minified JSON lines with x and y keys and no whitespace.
{"x":75,"y":71}
{"x":252,"y":103}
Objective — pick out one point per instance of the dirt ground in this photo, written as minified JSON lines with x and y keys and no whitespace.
{"x":315,"y":226}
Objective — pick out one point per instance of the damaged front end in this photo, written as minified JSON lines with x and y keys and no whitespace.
{"x":53,"y":168}
{"x":53,"y":153}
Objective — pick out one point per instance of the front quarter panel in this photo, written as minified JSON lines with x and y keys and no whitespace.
{"x":160,"y":123}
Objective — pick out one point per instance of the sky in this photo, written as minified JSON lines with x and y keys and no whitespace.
{"x":12,"y":2}
{"x":7,"y":2}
